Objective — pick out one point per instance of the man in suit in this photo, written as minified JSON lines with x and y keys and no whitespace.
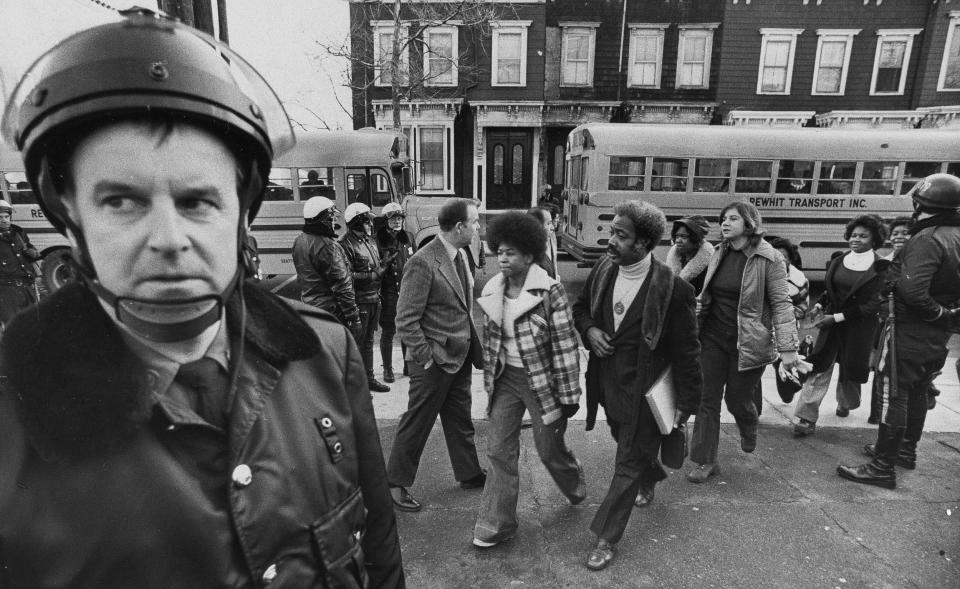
{"x":433,"y":321}
{"x":637,"y":318}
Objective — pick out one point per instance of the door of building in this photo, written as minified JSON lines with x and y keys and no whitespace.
{"x":509,"y":168}
{"x":556,"y":144}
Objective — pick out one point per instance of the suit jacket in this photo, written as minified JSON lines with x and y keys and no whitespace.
{"x":433,"y":313}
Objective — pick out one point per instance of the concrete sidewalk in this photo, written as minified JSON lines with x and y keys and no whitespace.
{"x":779,"y":517}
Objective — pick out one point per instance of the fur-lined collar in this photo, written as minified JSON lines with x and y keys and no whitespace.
{"x":93,"y":395}
{"x":491,"y":298}
{"x":694,"y":266}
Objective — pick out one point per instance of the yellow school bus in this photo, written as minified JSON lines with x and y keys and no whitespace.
{"x":807,"y":183}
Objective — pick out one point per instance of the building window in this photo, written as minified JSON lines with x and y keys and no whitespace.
{"x":440,"y":56}
{"x":777,"y":49}
{"x":833,"y":61}
{"x":509,"y":53}
{"x":693,"y":55}
{"x":384,"y":68}
{"x":576,"y":68}
{"x":950,"y":67}
{"x":892,"y":60}
{"x":431,"y":158}
{"x":646,"y":55}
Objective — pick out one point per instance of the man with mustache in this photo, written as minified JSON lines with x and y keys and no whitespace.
{"x":637,"y":319}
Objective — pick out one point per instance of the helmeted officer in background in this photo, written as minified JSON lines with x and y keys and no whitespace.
{"x":368,"y":269}
{"x":17,"y":255}
{"x":926,"y":289}
{"x":392,"y":239}
{"x":195,"y":430}
{"x":323,"y":271}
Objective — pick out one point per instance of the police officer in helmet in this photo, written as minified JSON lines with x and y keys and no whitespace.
{"x":17,"y":255}
{"x":194,"y":430}
{"x":926,"y":288}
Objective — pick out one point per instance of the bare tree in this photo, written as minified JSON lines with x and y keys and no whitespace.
{"x":415,"y":65}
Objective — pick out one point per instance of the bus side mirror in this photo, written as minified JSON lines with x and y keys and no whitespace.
{"x":401,"y":173}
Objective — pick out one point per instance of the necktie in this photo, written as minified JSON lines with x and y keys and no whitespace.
{"x":210,"y":382}
{"x":461,"y":265}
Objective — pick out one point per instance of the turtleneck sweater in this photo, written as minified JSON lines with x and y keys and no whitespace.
{"x":629,"y":280}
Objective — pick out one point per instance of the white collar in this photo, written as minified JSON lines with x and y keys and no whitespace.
{"x":859,"y":262}
{"x":636,"y":271}
{"x":451,"y":251}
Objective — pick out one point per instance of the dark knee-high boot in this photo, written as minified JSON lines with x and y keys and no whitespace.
{"x":879,"y":471}
{"x":907,"y":456}
{"x":386,"y":352}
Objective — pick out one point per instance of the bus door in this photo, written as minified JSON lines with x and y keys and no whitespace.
{"x":556,"y":142}
{"x":509,"y":168}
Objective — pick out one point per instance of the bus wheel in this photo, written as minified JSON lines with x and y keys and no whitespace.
{"x":56,"y":271}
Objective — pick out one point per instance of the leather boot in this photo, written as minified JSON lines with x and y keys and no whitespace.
{"x":907,"y":457}
{"x":879,"y":471}
{"x":386,"y":352}
{"x":904,"y":459}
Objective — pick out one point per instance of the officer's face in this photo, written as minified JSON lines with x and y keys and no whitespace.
{"x":159,"y":212}
{"x":4,"y":221}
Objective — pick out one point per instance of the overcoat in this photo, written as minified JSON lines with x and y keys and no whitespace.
{"x":668,"y":335}
{"x":102,"y":486}
{"x":850,"y":342}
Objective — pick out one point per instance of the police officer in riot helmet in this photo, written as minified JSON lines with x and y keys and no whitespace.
{"x":368,"y":270}
{"x":323,"y":271}
{"x":17,"y":255}
{"x":925,"y":282}
{"x":194,"y":430}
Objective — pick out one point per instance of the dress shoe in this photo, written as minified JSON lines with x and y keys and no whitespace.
{"x":842,"y":412}
{"x":748,"y":442}
{"x":377,"y":387}
{"x":645,"y":496}
{"x":476,"y":482}
{"x":490,"y":543}
{"x":601,"y":556}
{"x":804,"y":428}
{"x":870,"y":473}
{"x":581,"y":493}
{"x":403,"y":500}
{"x":702,"y":472}
{"x":388,"y":374}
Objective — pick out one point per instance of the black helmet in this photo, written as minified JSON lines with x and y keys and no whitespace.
{"x":143,"y":64}
{"x":937,"y":192}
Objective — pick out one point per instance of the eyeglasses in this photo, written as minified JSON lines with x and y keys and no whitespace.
{"x":396,"y":216}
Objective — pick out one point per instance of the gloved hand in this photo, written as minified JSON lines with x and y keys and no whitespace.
{"x":356,"y":329}
{"x":568,"y":411}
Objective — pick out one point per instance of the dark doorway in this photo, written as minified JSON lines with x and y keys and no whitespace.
{"x":509,"y":168}
{"x":556,"y":146}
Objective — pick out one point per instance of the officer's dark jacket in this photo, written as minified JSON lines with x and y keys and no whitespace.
{"x":99,"y":487}
{"x":324,"y":276}
{"x":17,"y":254}
{"x":402,"y":244}
{"x":363,"y":259}
{"x":927,"y":270}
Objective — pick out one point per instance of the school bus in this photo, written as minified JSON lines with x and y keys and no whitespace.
{"x":807,"y":183}
{"x":346,"y":166}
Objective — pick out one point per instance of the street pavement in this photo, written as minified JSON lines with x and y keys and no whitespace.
{"x":780,"y":517}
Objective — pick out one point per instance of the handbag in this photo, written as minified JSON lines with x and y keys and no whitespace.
{"x":673,"y":447}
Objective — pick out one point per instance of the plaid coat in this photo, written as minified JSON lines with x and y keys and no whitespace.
{"x":548,"y":345}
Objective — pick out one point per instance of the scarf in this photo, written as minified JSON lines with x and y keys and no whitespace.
{"x":694,"y":266}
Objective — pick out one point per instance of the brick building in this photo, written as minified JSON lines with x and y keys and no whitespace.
{"x":487,"y":106}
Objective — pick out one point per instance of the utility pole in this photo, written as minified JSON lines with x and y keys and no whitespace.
{"x":210,"y":16}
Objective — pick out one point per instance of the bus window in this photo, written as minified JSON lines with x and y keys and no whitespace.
{"x":753,"y":176}
{"x":584,"y":173}
{"x":953,"y":168}
{"x":279,"y":185}
{"x":795,"y":176}
{"x":317,"y":182}
{"x":711,"y":175}
{"x":574,"y":175}
{"x":381,"y":187}
{"x":669,"y":174}
{"x":879,"y":177}
{"x":357,"y":187}
{"x":19,"y":188}
{"x":836,"y":177}
{"x":916,"y":171}
{"x":626,"y":173}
